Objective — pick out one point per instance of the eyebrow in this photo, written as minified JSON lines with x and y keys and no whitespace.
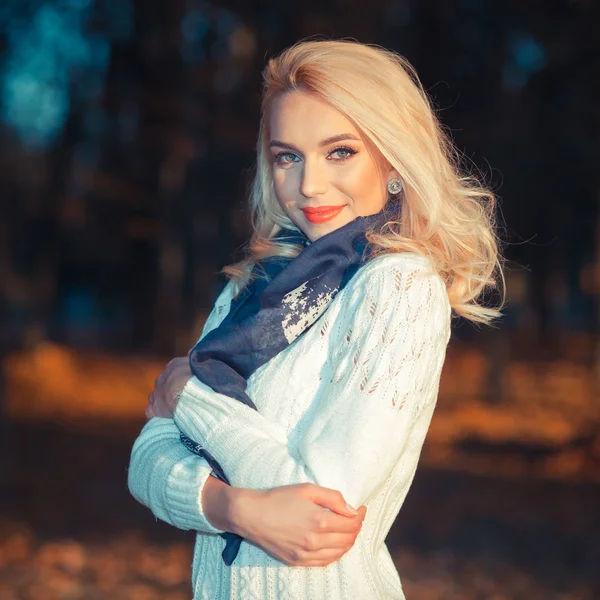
{"x":330,"y":140}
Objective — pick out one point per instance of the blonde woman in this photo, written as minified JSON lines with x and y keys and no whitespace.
{"x":311,"y":390}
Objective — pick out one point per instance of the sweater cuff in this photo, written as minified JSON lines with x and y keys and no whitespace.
{"x":184,"y":495}
{"x":201,"y":410}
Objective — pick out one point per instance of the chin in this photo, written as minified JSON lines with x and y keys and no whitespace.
{"x":316,"y":230}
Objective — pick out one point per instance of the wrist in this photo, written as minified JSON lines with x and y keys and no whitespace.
{"x":216,"y":501}
{"x":241,"y":503}
{"x":228,"y":508}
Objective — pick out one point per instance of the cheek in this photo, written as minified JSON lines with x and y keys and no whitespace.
{"x":363,"y":182}
{"x":284,"y":183}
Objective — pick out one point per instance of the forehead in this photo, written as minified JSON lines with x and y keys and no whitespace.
{"x":299,"y":117}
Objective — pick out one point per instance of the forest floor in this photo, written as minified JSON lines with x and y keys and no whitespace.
{"x":504,"y":505}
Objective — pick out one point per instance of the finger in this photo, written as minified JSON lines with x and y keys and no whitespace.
{"x":179,"y":363}
{"x":181,"y":368}
{"x":322,"y":558}
{"x":331,"y":499}
{"x":167,"y":368}
{"x":335,"y":541}
{"x":175,"y":377}
{"x":160,"y":410}
{"x":155,"y":401}
{"x":335,"y":523}
{"x":159,"y":378}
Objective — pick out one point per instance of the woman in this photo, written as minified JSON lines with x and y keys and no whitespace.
{"x":348,"y":143}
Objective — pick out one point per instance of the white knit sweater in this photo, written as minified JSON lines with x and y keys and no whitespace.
{"x":346,"y":406}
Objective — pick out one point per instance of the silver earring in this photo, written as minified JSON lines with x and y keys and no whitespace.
{"x":395,"y":186}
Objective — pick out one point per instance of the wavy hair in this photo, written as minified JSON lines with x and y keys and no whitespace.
{"x":445,"y":213}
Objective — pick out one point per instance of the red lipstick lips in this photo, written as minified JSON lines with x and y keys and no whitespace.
{"x":321,"y":214}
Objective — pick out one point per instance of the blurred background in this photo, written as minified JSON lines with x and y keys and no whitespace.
{"x":127,"y":134}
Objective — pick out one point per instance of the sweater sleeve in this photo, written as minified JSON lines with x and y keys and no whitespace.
{"x":162,"y":473}
{"x":387,"y":358}
{"x":166,"y":478}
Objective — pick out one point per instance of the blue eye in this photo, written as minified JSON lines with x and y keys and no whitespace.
{"x":286,"y":158}
{"x":343,"y":153}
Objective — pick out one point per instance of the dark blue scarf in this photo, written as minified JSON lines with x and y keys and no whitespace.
{"x":287,"y":296}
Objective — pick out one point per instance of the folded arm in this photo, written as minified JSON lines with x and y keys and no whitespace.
{"x":389,"y":356}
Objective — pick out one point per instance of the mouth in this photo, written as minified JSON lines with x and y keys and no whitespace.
{"x":321,"y":214}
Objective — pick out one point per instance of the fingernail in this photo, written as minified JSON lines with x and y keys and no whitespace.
{"x":351,"y":509}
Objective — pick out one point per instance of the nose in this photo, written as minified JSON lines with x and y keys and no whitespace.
{"x":314,"y":179}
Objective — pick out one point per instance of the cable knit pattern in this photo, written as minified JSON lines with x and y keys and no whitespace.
{"x":347,"y":406}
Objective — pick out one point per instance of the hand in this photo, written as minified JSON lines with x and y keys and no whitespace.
{"x":301,"y":525}
{"x":162,"y":402}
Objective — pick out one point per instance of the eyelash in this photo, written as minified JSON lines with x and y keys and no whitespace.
{"x":351,"y":152}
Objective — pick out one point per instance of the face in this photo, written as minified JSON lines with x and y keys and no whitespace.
{"x":324,"y":173}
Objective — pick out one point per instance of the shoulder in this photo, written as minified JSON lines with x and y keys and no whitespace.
{"x":405,"y":261}
{"x":398,"y":270}
{"x":399,"y":286}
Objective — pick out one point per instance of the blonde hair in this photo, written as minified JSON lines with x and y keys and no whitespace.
{"x":444,"y":214}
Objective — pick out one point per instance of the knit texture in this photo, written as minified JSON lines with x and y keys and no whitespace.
{"x":346,"y":406}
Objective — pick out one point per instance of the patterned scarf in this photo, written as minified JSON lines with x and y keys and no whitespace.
{"x":274,"y":309}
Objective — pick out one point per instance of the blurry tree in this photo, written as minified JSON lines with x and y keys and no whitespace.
{"x":128,"y":132}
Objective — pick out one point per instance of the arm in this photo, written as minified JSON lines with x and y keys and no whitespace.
{"x":299,"y":525}
{"x":291,"y":522}
{"x":162,"y":474}
{"x":383,"y":375}
{"x":166,"y":478}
